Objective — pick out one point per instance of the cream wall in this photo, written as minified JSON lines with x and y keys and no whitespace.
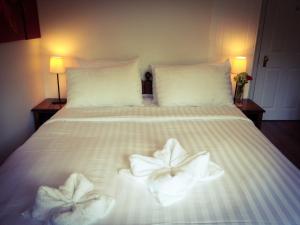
{"x":21,"y":88}
{"x":234,"y":26}
{"x":161,"y":31}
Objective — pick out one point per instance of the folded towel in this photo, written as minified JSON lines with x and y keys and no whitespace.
{"x":75,"y":202}
{"x":172,"y":172}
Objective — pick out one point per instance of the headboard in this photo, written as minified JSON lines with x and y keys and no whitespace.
{"x":147,"y":83}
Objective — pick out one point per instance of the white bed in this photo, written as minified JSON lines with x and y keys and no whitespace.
{"x":260,"y":185}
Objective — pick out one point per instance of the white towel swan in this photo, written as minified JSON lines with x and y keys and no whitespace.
{"x":172,"y":172}
{"x":74,"y":203}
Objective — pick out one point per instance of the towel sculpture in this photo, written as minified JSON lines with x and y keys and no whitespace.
{"x":171,"y":173}
{"x":74,"y":203}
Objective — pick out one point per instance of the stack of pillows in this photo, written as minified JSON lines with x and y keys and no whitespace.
{"x":118,"y":83}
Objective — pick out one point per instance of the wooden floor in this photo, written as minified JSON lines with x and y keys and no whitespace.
{"x":285,"y":135}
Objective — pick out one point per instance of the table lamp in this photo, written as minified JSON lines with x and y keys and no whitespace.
{"x":57,"y":67}
{"x":238,"y":65}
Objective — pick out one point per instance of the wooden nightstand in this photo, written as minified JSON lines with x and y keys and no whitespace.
{"x":253,"y":111}
{"x":43,"y":111}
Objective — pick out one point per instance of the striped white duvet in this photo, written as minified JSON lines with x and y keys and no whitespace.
{"x":260,"y":185}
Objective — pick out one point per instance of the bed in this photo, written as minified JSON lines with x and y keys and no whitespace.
{"x":260,"y":186}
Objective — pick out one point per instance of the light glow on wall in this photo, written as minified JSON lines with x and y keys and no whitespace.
{"x":63,"y":46}
{"x":236,"y":46}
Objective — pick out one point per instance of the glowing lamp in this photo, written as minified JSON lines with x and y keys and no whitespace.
{"x":57,"y":66}
{"x":238,"y":64}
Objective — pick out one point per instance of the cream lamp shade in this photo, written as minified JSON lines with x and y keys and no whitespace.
{"x":57,"y":65}
{"x":238,"y":64}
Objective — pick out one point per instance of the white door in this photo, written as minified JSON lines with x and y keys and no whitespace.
{"x":277,"y":85}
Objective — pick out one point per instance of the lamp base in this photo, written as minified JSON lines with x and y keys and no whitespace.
{"x":58,"y":102}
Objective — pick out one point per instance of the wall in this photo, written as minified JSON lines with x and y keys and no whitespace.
{"x":161,"y":31}
{"x":234,"y":27}
{"x":21,"y":88}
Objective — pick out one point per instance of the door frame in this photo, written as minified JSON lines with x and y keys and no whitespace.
{"x":259,"y":38}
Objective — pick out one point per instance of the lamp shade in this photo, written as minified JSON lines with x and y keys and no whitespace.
{"x":238,"y":64}
{"x":57,"y":64}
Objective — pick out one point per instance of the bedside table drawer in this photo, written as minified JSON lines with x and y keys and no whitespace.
{"x":255,"y":117}
{"x":253,"y":111}
{"x":45,"y":110}
{"x":41,"y":117}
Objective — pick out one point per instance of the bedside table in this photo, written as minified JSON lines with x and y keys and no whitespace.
{"x":253,"y":111}
{"x":43,"y":111}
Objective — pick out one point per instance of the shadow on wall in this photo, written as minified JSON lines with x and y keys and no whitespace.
{"x":21,"y":88}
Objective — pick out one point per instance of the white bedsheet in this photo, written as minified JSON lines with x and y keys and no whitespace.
{"x":260,"y":185}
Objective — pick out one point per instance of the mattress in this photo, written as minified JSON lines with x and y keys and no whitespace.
{"x":260,"y":186}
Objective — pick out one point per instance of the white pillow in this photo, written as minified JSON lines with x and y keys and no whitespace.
{"x":192,"y":85}
{"x":107,"y":86}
